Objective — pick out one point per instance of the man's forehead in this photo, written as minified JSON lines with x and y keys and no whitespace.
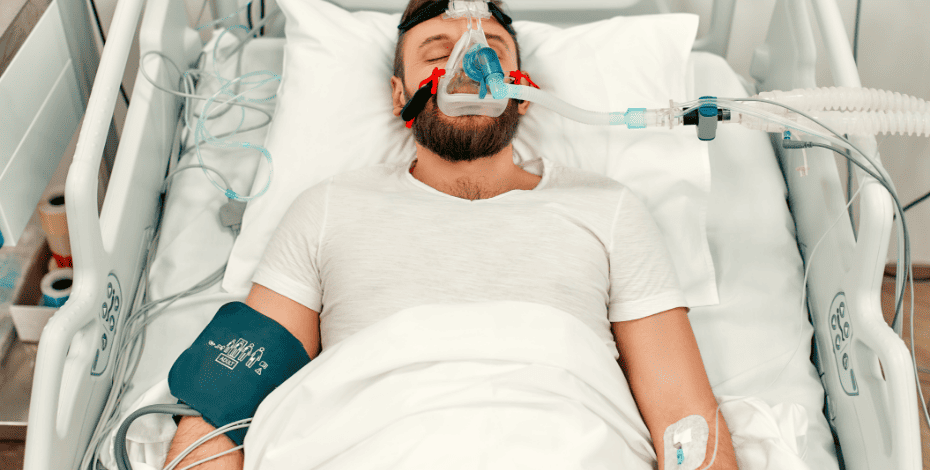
{"x":450,"y":30}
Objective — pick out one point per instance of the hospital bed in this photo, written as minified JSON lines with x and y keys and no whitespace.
{"x":871,"y":425}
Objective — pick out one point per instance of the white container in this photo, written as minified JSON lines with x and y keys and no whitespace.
{"x":26,"y":309}
{"x":30,"y":320}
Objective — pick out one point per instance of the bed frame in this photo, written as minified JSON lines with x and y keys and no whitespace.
{"x":871,"y":402}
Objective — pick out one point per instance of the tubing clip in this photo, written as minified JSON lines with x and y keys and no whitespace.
{"x":705,"y":118}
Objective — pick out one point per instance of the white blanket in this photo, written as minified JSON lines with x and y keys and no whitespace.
{"x":482,"y":385}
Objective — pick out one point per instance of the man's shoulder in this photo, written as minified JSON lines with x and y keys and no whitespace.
{"x":372,"y":177}
{"x":367,"y":175}
{"x":567,"y":177}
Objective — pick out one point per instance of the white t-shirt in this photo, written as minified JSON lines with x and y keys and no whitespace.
{"x":371,"y":242}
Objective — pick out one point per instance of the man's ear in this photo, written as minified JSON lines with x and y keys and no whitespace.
{"x":398,"y":97}
{"x":522,"y":107}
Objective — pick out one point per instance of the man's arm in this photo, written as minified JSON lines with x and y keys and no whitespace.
{"x":301,"y":322}
{"x":660,"y":358}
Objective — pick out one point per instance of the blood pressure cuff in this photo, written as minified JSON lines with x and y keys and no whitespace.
{"x":238,"y":359}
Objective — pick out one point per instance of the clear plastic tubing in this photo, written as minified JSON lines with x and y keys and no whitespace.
{"x":856,"y":123}
{"x":861,"y":123}
{"x":633,"y":118}
{"x":846,"y":99}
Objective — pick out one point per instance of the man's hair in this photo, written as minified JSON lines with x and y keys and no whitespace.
{"x":401,"y":35}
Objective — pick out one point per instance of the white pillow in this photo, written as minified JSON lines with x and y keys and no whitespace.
{"x":334,"y":115}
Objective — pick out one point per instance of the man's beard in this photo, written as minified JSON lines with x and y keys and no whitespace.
{"x":464,"y":138}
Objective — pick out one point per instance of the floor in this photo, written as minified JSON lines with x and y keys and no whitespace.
{"x":11,"y":452}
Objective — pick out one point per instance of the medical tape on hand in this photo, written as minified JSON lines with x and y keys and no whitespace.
{"x":686,"y":443}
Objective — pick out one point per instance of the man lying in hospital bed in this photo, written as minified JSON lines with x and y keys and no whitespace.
{"x":488,"y":256}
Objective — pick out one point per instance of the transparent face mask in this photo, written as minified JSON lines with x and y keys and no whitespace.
{"x":459,"y":94}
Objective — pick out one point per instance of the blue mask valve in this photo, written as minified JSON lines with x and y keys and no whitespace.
{"x":481,"y":64}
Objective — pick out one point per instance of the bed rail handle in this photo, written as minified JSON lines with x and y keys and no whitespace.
{"x":49,"y":409}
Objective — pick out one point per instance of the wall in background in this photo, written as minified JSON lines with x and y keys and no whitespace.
{"x":892,"y":55}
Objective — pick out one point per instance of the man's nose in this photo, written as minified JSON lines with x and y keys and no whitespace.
{"x":463,"y":84}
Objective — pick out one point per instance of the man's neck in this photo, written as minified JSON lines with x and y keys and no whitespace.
{"x":483,"y":178}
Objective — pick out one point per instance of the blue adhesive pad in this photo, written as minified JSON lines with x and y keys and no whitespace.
{"x":237,"y":361}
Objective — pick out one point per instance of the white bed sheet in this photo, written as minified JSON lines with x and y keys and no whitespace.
{"x":750,"y":231}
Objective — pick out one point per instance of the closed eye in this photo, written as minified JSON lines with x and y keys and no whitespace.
{"x":438,"y":59}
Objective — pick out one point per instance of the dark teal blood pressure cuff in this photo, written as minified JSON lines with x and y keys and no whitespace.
{"x":237,"y":361}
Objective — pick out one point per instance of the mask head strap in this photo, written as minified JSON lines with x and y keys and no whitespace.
{"x":433,"y":9}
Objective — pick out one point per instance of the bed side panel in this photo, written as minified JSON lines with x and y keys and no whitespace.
{"x":844,"y":281}
{"x":74,"y":369}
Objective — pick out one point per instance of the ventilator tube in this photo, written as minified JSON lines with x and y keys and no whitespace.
{"x":844,"y":99}
{"x":633,"y":118}
{"x":482,"y":65}
{"x":854,"y":123}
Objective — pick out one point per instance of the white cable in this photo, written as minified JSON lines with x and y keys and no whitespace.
{"x":129,"y":333}
{"x":241,"y":424}
{"x":810,"y":261}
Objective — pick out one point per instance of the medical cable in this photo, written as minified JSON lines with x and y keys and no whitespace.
{"x":262,"y":16}
{"x":790,"y":125}
{"x":188,"y":96}
{"x":902,"y":246}
{"x":904,"y":242}
{"x":187,"y":77}
{"x":903,"y":232}
{"x":879,"y":179}
{"x":241,"y":424}
{"x":917,"y":201}
{"x":247,"y":5}
{"x":849,"y":173}
{"x":793,"y":354}
{"x":262,"y":13}
{"x":122,"y":456}
{"x":232,"y":102}
{"x":192,"y":96}
{"x":201,"y":133}
{"x":164,"y":186}
{"x":135,"y":335}
{"x":910,"y":272}
{"x":114,"y":401}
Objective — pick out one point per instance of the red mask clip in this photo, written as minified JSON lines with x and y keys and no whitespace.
{"x":518,"y":75}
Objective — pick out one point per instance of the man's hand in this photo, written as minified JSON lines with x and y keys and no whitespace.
{"x":192,"y":428}
{"x":660,"y":358}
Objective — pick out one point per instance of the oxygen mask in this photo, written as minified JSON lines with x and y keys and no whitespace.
{"x":473,"y":68}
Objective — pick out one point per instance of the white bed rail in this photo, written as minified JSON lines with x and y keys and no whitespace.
{"x":875,"y":418}
{"x":72,"y":383}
